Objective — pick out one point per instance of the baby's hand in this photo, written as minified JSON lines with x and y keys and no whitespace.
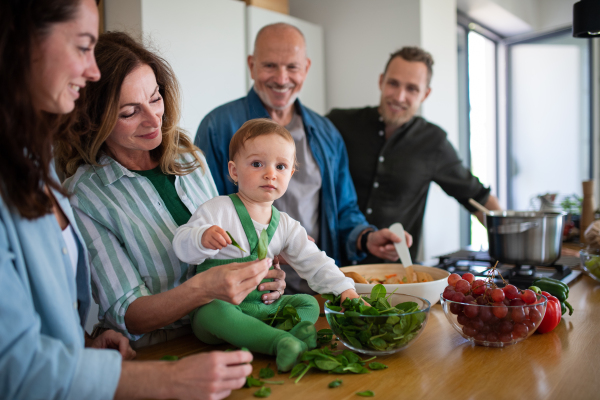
{"x":351,"y":294}
{"x":215,"y":238}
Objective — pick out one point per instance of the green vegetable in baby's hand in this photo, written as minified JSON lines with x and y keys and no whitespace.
{"x":169,"y":358}
{"x":263,"y":244}
{"x":234,"y":243}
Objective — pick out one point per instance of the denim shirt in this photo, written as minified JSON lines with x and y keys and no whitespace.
{"x":42,"y":311}
{"x":341,"y":222}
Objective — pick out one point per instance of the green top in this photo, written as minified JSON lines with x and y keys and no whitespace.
{"x":165,"y":186}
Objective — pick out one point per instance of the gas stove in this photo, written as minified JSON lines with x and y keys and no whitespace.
{"x":479,"y":263}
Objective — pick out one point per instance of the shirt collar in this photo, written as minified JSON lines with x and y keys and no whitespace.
{"x":256,"y":109}
{"x":109,"y":170}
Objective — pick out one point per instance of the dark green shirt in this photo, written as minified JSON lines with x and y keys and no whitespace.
{"x":165,"y":186}
{"x":392,"y":176}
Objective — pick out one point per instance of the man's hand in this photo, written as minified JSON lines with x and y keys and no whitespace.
{"x":215,"y":238}
{"x":277,"y":286}
{"x":381,"y":243}
{"x":114,"y":340}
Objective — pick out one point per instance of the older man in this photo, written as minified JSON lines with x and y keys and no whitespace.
{"x":321,"y":194}
{"x":395,"y":155}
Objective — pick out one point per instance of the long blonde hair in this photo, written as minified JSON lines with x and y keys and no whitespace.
{"x":82,"y":141}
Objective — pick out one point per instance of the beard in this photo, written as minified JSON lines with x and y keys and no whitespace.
{"x":264,"y":97}
{"x":394,"y":120}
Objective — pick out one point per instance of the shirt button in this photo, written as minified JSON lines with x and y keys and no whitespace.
{"x":354,"y":262}
{"x":376,"y":185}
{"x":75,"y":306}
{"x":381,"y":118}
{"x":381,"y":158}
{"x":369,"y":210}
{"x":65,"y":251}
{"x":381,"y":133}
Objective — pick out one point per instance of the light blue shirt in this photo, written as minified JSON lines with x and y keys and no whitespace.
{"x":42,"y":308}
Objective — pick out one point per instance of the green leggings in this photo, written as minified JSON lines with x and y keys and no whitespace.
{"x":219,"y":321}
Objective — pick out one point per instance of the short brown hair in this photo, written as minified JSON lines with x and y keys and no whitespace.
{"x":413,"y":54}
{"x":117,"y":55}
{"x":255,"y":128}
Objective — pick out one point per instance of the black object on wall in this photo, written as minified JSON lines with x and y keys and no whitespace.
{"x":586,"y":19}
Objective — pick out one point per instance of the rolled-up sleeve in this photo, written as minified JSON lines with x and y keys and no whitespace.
{"x":456,"y":180}
{"x":35,"y":365}
{"x":116,"y":281}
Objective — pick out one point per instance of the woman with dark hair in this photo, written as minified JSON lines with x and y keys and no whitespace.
{"x":135,"y":178}
{"x":46,"y":58}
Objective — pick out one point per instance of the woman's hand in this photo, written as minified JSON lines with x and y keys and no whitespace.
{"x":232,"y":282}
{"x":215,"y":238}
{"x":201,"y":376}
{"x":113,"y":340}
{"x":277,"y":286}
{"x":381,"y":243}
{"x":211,"y":375}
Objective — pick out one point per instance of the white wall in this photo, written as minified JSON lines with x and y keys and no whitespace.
{"x":313,"y":89}
{"x":359,"y":37}
{"x":438,"y":36}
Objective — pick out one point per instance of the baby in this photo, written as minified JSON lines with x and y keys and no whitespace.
{"x":262,"y":158}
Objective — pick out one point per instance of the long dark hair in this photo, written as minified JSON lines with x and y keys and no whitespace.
{"x":95,"y":116}
{"x":26,"y":135}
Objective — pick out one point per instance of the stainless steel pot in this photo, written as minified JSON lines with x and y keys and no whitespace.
{"x":525,"y":237}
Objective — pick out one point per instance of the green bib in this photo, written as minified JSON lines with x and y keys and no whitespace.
{"x":252,"y":237}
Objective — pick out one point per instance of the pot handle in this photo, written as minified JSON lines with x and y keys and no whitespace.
{"x":513,"y":228}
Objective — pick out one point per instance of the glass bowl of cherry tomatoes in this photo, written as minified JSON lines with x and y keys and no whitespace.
{"x":488,"y":315}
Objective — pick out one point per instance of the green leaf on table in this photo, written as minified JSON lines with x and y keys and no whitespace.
{"x":366,"y":393}
{"x":263,"y":392}
{"x":353,"y":367}
{"x":377,"y":366}
{"x":274,"y":382}
{"x":326,"y":364}
{"x":298,"y":368}
{"x":169,"y":358}
{"x":266,"y":373}
{"x":253,"y":382}
{"x":377,"y":292}
{"x":233,"y":242}
{"x":335,"y":383}
{"x":351,"y":357}
{"x":263,"y":244}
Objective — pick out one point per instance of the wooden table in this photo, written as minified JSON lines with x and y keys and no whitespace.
{"x":441,"y":364}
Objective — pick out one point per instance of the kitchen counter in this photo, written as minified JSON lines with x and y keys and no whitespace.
{"x":562,"y":364}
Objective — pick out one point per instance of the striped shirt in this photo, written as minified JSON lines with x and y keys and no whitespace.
{"x":128,"y":232}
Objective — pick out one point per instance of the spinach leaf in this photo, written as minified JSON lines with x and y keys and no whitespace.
{"x":266,"y":373}
{"x":377,"y":366}
{"x":263,"y":244}
{"x":378,"y":291}
{"x":233,"y":242}
{"x":297,"y":369}
{"x":263,"y":392}
{"x":366,"y":393}
{"x":335,"y":383}
{"x":169,"y":358}
{"x":253,"y":382}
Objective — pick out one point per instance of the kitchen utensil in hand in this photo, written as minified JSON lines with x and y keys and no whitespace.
{"x":479,"y":207}
{"x":402,"y":250}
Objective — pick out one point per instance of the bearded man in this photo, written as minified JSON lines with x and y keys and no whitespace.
{"x":388,"y":138}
